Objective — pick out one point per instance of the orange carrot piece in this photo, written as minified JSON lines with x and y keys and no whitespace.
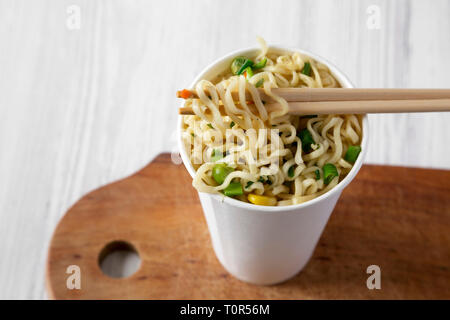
{"x":185,"y":94}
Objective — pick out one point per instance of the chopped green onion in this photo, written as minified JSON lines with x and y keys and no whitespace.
{"x":291,"y":172}
{"x":352,"y":153}
{"x":210,"y":125}
{"x":307,"y":69}
{"x":261,"y":179}
{"x":317,"y":172}
{"x":260,"y":64}
{"x":233,"y":189}
{"x":329,"y":172}
{"x":192,"y":134}
{"x":220,"y":172}
{"x":259,"y":83}
{"x":268,"y":181}
{"x":307,"y":139}
{"x":239,"y":64}
{"x":248,"y":72}
{"x":249,"y":184}
{"x":232,"y":124}
{"x":216,"y":155}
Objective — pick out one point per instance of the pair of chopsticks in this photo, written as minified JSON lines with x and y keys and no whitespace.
{"x":305,"y":101}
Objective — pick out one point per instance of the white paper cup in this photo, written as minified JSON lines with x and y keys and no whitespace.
{"x":267,"y":245}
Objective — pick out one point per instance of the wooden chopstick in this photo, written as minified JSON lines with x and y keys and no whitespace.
{"x":351,"y":107}
{"x":369,"y":106}
{"x":305,"y":101}
{"x":344,"y":94}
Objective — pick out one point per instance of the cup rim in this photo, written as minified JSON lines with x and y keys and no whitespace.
{"x":345,"y":83}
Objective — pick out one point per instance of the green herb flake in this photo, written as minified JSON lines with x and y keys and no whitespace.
{"x":307,"y":69}
{"x":259,"y":83}
{"x":216,"y":155}
{"x":352,"y":154}
{"x":307,"y":140}
{"x":260,"y":64}
{"x":248,"y":72}
{"x":239,"y":64}
{"x":329,"y":172}
{"x":291,"y":172}
{"x":249,"y":184}
{"x":317,"y":172}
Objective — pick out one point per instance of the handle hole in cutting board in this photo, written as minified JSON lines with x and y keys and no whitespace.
{"x":119,"y":259}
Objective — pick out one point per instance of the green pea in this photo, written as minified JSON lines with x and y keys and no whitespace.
{"x":216,"y":155}
{"x":291,"y":171}
{"x":352,"y":153}
{"x":317,"y":172}
{"x":307,"y":139}
{"x":239,"y":64}
{"x":260,"y":64}
{"x":329,"y":173}
{"x":307,"y":69}
{"x":220,"y":172}
{"x":233,"y":189}
{"x":309,"y":116}
{"x":248,"y":72}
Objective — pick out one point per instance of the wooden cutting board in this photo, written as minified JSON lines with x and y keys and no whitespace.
{"x":394,"y":217}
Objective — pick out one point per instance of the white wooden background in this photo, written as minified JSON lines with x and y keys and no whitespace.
{"x":81,"y":108}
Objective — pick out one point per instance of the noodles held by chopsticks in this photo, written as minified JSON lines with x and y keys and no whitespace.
{"x":267,"y":158}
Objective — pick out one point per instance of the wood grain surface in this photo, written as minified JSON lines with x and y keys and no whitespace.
{"x":394,"y":217}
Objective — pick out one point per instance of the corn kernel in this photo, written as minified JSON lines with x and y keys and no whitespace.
{"x":262,"y":200}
